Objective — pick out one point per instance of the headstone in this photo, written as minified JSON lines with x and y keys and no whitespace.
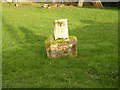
{"x":61,"y":44}
{"x":55,"y":5}
{"x":80,"y":3}
{"x":45,"y":5}
{"x":97,"y":4}
{"x":16,"y":5}
{"x":61,"y":29}
{"x":59,"y":5}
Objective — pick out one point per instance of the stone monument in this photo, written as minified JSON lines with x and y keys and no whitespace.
{"x":61,"y":44}
{"x":61,"y":29}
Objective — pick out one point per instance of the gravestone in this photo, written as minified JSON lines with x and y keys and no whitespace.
{"x":60,"y":5}
{"x":55,"y":5}
{"x":45,"y":5}
{"x":61,"y":29}
{"x":80,"y":3}
{"x":16,"y":5}
{"x":61,"y":44}
{"x":97,"y":4}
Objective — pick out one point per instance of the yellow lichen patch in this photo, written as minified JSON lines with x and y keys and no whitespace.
{"x":51,"y":40}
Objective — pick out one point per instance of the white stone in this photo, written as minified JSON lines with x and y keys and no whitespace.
{"x":61,"y":29}
{"x":80,"y":3}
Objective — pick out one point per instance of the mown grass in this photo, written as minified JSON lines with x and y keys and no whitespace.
{"x":25,"y":64}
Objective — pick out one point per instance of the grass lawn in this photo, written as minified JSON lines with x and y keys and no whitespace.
{"x":25,"y":64}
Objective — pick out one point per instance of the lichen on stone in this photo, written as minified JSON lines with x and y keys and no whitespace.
{"x":51,"y":40}
{"x":60,"y":23}
{"x":60,"y":48}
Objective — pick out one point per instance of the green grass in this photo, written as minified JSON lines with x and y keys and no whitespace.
{"x":25,"y":64}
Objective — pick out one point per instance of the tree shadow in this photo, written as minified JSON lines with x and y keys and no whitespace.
{"x":23,"y":43}
{"x":34,"y":43}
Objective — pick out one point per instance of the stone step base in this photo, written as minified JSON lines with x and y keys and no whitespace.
{"x":61,"y":48}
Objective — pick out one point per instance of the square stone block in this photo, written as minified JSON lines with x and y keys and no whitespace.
{"x":60,"y":48}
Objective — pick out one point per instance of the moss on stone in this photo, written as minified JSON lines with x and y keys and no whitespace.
{"x":60,"y":23}
{"x":51,"y":40}
{"x":72,"y":38}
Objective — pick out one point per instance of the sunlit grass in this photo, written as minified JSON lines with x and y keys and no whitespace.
{"x":25,"y":64}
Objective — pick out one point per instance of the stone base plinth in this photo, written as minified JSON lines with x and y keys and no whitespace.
{"x":61,"y":48}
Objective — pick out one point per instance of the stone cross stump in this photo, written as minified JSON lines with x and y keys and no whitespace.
{"x":61,"y":44}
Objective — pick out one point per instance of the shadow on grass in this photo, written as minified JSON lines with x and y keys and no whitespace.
{"x":34,"y":43}
{"x":23,"y":43}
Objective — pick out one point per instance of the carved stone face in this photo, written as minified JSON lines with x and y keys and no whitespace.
{"x":61,"y":29}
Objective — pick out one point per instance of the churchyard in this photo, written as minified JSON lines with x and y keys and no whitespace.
{"x":24,"y":58}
